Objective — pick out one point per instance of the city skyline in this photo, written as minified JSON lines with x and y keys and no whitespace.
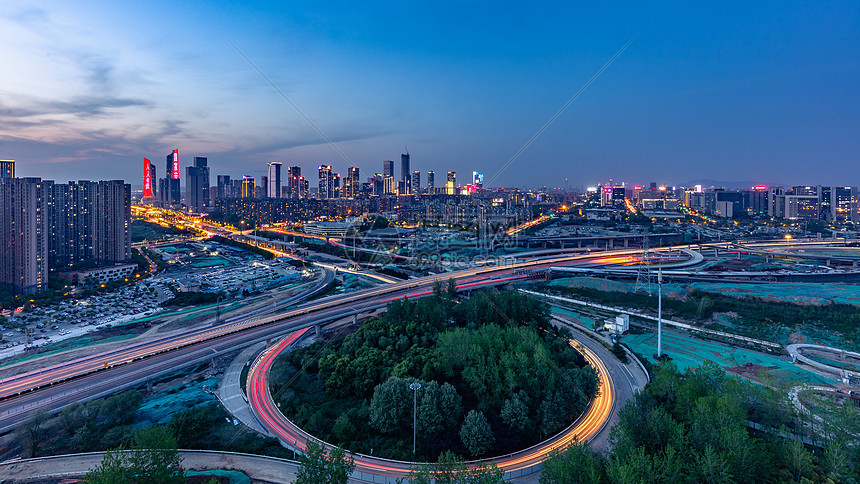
{"x":761,"y":92}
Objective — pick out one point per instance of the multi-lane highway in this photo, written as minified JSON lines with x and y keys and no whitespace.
{"x":86,"y":378}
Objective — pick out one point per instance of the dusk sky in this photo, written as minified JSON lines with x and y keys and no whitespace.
{"x":765,"y":92}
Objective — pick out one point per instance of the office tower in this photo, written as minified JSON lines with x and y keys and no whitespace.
{"x":274,"y":183}
{"x":23,"y":235}
{"x":294,"y":174}
{"x":262,"y":190}
{"x":197,"y":185}
{"x":248,"y":187}
{"x":7,"y":168}
{"x":416,"y":182}
{"x":843,"y":204}
{"x":338,"y":193}
{"x":388,"y":168}
{"x":388,"y":187}
{"x":405,"y":174}
{"x":431,"y":182}
{"x":451,"y":185}
{"x":478,"y":179}
{"x":353,"y":185}
{"x":148,"y":177}
{"x":223,"y":190}
{"x":175,"y":194}
{"x":303,"y":188}
{"x":326,"y":182}
{"x":376,"y":185}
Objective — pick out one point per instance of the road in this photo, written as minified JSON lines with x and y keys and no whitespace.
{"x":102,"y":374}
{"x":592,"y":424}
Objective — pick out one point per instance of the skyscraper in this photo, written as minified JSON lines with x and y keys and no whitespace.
{"x":451,"y":185}
{"x":23,"y":235}
{"x":148,"y":177}
{"x":88,"y":222}
{"x":169,"y":185}
{"x":388,"y":168}
{"x":197,"y":185}
{"x":405,"y":174}
{"x":294,"y":173}
{"x":248,"y":187}
{"x":274,"y":182}
{"x":111,"y":239}
{"x":224,"y":188}
{"x":477,"y":179}
{"x":326,"y":182}
{"x":416,"y":182}
{"x":7,"y":168}
{"x":431,"y":182}
{"x":353,"y":185}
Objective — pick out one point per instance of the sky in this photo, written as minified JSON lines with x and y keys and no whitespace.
{"x":737,"y":92}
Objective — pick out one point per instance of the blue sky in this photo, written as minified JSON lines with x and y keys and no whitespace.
{"x":728,"y":91}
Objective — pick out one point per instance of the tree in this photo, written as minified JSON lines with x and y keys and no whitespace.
{"x":152,"y":459}
{"x":321,"y":467}
{"x":577,"y":464}
{"x":391,"y":404}
{"x":452,"y":289}
{"x":476,"y":433}
{"x":515,"y":412}
{"x":33,"y":432}
{"x":450,"y":469}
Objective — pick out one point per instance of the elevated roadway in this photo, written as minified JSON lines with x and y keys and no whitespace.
{"x":101,"y":374}
{"x":586,"y":427}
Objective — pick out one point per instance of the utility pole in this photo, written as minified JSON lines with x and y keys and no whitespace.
{"x":659,"y":313}
{"x":415,"y":386}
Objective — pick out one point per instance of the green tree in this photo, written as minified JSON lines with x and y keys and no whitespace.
{"x":452,"y":289}
{"x":450,"y":469}
{"x":476,"y":433}
{"x":321,"y":467}
{"x":515,"y":412}
{"x":152,"y":459}
{"x":391,"y":405}
{"x":575,"y":465}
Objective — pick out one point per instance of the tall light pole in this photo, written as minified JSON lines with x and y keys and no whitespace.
{"x":415,"y":386}
{"x":659,"y":312}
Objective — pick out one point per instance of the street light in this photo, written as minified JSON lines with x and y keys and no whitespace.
{"x":415,"y":386}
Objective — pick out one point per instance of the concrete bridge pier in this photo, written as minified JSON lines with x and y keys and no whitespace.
{"x":318,"y":330}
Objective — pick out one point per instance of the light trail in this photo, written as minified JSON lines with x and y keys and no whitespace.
{"x":586,"y":426}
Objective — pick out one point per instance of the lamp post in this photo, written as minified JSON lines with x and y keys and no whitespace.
{"x":659,"y":312}
{"x":415,"y":386}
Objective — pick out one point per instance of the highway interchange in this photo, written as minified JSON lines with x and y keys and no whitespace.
{"x":102,"y":374}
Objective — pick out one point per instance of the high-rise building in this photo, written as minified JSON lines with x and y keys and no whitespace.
{"x":7,"y":168}
{"x":111,"y":239}
{"x":405,"y":174}
{"x":478,"y":179}
{"x":274,"y":182}
{"x":338,"y":193}
{"x":416,"y":182}
{"x":353,"y":185}
{"x":326,"y":182}
{"x":376,"y":184}
{"x":148,"y":179}
{"x":451,"y":185}
{"x":388,"y":168}
{"x":23,"y":235}
{"x":388,"y":187}
{"x":88,"y":222}
{"x":431,"y":182}
{"x":224,"y":187}
{"x":294,"y":174}
{"x":197,"y":185}
{"x":248,"y":187}
{"x":843,"y":204}
{"x":169,"y":185}
{"x":303,"y":188}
